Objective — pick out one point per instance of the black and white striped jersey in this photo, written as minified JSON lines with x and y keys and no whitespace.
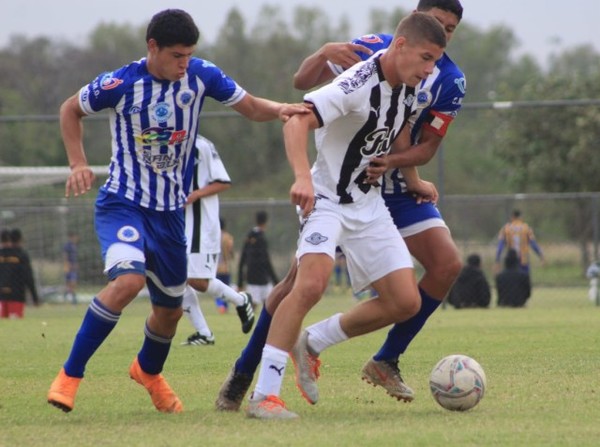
{"x":360,"y":115}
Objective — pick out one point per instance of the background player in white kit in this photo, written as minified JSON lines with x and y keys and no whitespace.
{"x":359,"y":117}
{"x":203,"y":236}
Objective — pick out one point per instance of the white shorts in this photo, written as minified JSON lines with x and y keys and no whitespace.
{"x":202,"y":265}
{"x":259,"y":293}
{"x":365,"y":232}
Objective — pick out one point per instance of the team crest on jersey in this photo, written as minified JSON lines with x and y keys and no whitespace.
{"x":371,"y":38}
{"x":134,"y":110}
{"x":409,"y":100}
{"x":424,"y":99}
{"x":108,"y":82}
{"x":316,"y":239}
{"x":461,"y":83}
{"x":128,"y":234}
{"x":185,"y":98}
{"x":161,"y":112}
{"x":358,"y":79}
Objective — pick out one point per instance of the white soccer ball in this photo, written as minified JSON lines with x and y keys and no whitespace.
{"x":457,"y":382}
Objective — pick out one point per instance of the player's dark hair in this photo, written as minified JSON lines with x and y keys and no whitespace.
{"x":452,"y":6}
{"x":16,"y":237}
{"x":474,"y":260}
{"x":173,"y":27}
{"x":261,"y":217}
{"x":516,"y":213}
{"x":5,"y":236}
{"x":419,"y":26}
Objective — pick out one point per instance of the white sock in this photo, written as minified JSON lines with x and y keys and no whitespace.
{"x":217,"y":288}
{"x":325,"y":333}
{"x":191,"y":308}
{"x":272,"y":371}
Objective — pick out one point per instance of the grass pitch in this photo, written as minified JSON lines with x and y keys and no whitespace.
{"x":542,"y":365}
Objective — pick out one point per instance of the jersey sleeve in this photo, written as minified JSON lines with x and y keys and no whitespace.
{"x":218,"y":85}
{"x":374,"y":42}
{"x":104,"y":92}
{"x":447,"y":99}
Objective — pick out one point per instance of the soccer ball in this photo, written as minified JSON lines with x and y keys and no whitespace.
{"x":457,"y":382}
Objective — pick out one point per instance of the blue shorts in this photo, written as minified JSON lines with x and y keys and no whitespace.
{"x":409,"y":216}
{"x":134,"y":239}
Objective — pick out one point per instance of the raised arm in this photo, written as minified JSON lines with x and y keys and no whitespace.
{"x":314,"y":70}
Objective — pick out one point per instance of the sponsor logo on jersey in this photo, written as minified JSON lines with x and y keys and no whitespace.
{"x":108,"y":82}
{"x":161,"y":136}
{"x":371,"y":38}
{"x":461,"y":83}
{"x":409,"y":100}
{"x":378,"y":142}
{"x":362,"y":75}
{"x":134,"y":110}
{"x":185,"y":98}
{"x":424,"y":99}
{"x":316,"y":239}
{"x":128,"y":234}
{"x":161,"y":112}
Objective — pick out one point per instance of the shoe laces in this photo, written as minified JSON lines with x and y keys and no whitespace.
{"x":393,"y":364}
{"x":272,"y":402}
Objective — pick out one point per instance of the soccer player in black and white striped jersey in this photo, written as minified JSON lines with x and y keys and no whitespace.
{"x":358,"y":119}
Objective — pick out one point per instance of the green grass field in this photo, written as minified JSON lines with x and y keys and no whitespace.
{"x":542,"y":365}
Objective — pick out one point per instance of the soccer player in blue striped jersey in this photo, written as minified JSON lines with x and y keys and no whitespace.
{"x":428,"y":239}
{"x":154,"y":105}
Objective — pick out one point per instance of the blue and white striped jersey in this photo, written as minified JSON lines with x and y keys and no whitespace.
{"x":360,"y":115}
{"x":153,"y":128}
{"x":439,"y":99}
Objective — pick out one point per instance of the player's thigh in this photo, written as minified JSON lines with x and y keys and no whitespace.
{"x":433,"y":248}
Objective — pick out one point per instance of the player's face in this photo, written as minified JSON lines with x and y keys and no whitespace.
{"x":415,"y":62}
{"x":448,"y":20}
{"x":169,"y":63}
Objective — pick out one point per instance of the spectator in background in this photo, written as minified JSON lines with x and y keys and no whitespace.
{"x":471,"y":288}
{"x":593,"y":272}
{"x":6,"y":268}
{"x":224,"y":266}
{"x":518,"y":235}
{"x":16,"y":276}
{"x":71,"y":267}
{"x":255,"y":268}
{"x":513,"y":284}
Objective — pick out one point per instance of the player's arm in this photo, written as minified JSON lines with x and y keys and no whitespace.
{"x":262,"y":109}
{"x":208,"y":190}
{"x":71,"y":127}
{"x":295,"y":137}
{"x":315,"y":70}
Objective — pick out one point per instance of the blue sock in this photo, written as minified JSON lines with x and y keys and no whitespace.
{"x":252,"y":353}
{"x":154,"y":352}
{"x":401,"y":334}
{"x":97,"y":323}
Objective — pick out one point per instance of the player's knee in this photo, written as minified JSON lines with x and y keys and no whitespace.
{"x":128,"y":286}
{"x":402,"y":310}
{"x":201,"y":285}
{"x":446,"y":272}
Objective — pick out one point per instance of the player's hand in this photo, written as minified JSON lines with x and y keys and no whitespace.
{"x":286,"y":111}
{"x":424,"y":192}
{"x":344,"y":53}
{"x":302,"y":194}
{"x":79,"y":181}
{"x":377,"y":167}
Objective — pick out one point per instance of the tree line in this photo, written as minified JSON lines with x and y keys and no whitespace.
{"x":526,"y":150}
